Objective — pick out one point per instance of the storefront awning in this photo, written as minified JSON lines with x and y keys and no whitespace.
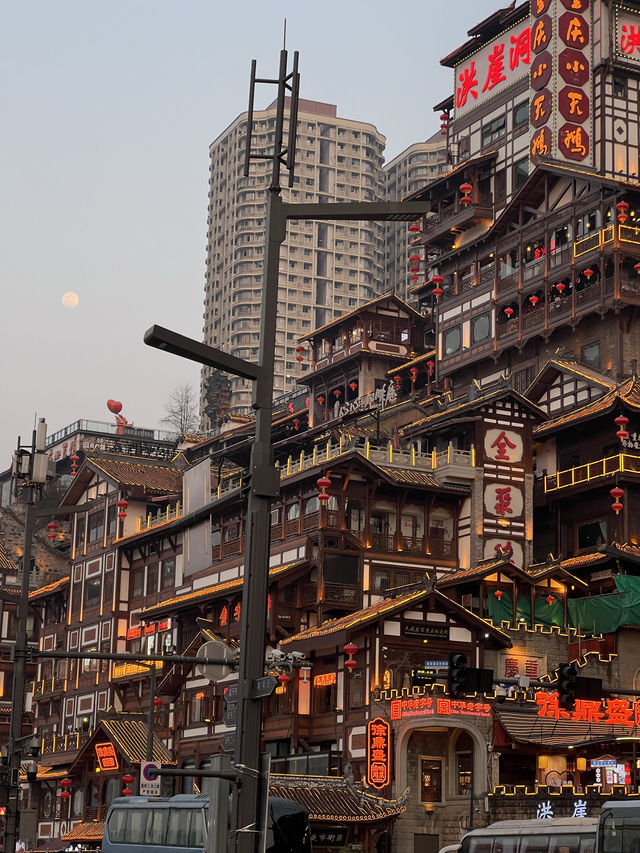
{"x":335,"y":799}
{"x":525,"y":726}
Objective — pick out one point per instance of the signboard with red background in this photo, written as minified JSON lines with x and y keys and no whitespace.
{"x":378,"y":753}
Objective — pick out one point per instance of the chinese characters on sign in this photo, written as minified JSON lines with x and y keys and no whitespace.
{"x":610,"y":712}
{"x":325,"y":679}
{"x":106,"y":755}
{"x":427,"y":705}
{"x":378,"y":753}
{"x":492,"y":68}
{"x":512,"y":665}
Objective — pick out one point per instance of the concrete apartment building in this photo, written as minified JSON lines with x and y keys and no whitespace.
{"x":326,"y":269}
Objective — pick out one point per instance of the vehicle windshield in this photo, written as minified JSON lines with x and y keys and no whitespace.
{"x":620,"y":834}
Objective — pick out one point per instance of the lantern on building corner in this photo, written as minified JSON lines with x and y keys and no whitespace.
{"x":74,"y":464}
{"x":465,"y":189}
{"x":398,"y":380}
{"x":283,"y":679}
{"x":498,"y":594}
{"x":621,"y":422}
{"x":128,"y":780}
{"x":622,"y":207}
{"x":444,"y":123}
{"x":323,"y":485}
{"x":52,"y":527}
{"x":561,"y":287}
{"x":414,"y":228}
{"x":414,"y":276}
{"x":438,"y":281}
{"x":122,"y":505}
{"x":534,"y":300}
{"x":414,"y":374}
{"x":350,"y":649}
{"x":616,"y":493}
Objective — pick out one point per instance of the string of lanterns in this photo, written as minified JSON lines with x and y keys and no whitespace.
{"x":465,"y":189}
{"x":323,"y":485}
{"x":350,"y":649}
{"x":617,"y":493}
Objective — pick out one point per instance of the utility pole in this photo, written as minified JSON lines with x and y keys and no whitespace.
{"x":30,"y":468}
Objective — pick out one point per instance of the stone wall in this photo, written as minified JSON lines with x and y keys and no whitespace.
{"x":50,"y":561}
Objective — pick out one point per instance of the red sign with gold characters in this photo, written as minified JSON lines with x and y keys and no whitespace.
{"x":427,"y":705}
{"x":610,"y":712}
{"x":378,"y":753}
{"x":107,"y":757}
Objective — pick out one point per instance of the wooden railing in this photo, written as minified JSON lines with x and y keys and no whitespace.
{"x":621,"y":462}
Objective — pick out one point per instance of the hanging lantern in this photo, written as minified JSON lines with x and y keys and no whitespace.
{"x":414,"y":259}
{"x":337,"y":393}
{"x":300,"y":349}
{"x":415,"y":277}
{"x":616,"y":493}
{"x":64,"y":795}
{"x":299,"y":358}
{"x":283,"y":678}
{"x":122,"y":508}
{"x":296,"y":424}
{"x":588,"y":273}
{"x":508,"y":311}
{"x":414,"y":268}
{"x":637,"y":268}
{"x":498,"y":594}
{"x":323,"y":497}
{"x":622,"y":207}
{"x":320,"y":399}
{"x":52,"y":527}
{"x":398,"y":380}
{"x":350,"y":649}
{"x":550,"y":599}
{"x":561,"y":287}
{"x":414,"y":373}
{"x":465,"y":189}
{"x":353,"y":385}
{"x":621,"y":422}
{"x":323,"y":484}
{"x":534,"y":300}
{"x":157,"y":701}
{"x":350,"y":663}
{"x":127,"y":779}
{"x":414,"y":228}
{"x":444,"y":123}
{"x":430,"y":367}
{"x":437,"y":290}
{"x":66,"y":783}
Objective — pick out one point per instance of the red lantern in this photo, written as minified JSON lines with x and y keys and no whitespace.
{"x":323,"y":497}
{"x":561,"y":287}
{"x":616,"y":492}
{"x":621,"y":421}
{"x":430,"y":366}
{"x":283,"y":678}
{"x":66,"y":783}
{"x":414,"y":259}
{"x":415,"y":277}
{"x":299,"y":358}
{"x":126,"y":792}
{"x":550,"y":599}
{"x":508,"y":311}
{"x":65,"y":795}
{"x":353,"y":385}
{"x":323,"y":482}
{"x":350,"y":649}
{"x":437,"y":279}
{"x":122,"y":504}
{"x":414,"y":373}
{"x":617,"y":506}
{"x":414,"y":228}
{"x":637,"y":268}
{"x":498,"y":594}
{"x":157,"y":701}
{"x":296,"y":424}
{"x":534,"y":300}
{"x":622,"y":207}
{"x":127,"y":778}
{"x":588,"y":273}
{"x":320,"y":399}
{"x":465,"y":188}
{"x":300,"y":349}
{"x":350,"y":663}
{"x":52,"y":527}
{"x":337,"y":393}
{"x":437,"y":292}
{"x":398,"y":380}
{"x":622,"y":434}
{"x":414,"y":268}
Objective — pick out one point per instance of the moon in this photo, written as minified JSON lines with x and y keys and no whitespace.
{"x":70,"y":299}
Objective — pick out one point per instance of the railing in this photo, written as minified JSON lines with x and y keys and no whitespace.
{"x":629,"y":234}
{"x":383,"y":542}
{"x":159,"y":518}
{"x":64,"y":743}
{"x":48,"y":686}
{"x":560,"y":257}
{"x":533,"y":317}
{"x":620,"y":463}
{"x":587,"y":244}
{"x":125,"y":670}
{"x":588,"y":294}
{"x":534,"y":269}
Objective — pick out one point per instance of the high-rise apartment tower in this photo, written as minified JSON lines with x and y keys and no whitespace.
{"x":326,"y":268}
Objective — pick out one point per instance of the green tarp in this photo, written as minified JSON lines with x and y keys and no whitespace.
{"x":604,"y":614}
{"x":544,"y":614}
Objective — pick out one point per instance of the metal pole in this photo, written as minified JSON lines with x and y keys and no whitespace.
{"x":265,"y":485}
{"x":152,"y":707}
{"x":17,"y":697}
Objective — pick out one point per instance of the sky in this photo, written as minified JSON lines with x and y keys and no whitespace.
{"x":108,"y":110}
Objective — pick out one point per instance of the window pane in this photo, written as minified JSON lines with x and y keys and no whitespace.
{"x":136,"y":826}
{"x":481,"y":328}
{"x":118,"y":825}
{"x":156,"y":826}
{"x":452,"y":341}
{"x":430,"y":780}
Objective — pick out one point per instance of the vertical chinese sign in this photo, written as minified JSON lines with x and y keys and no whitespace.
{"x":378,"y":753}
{"x":561,"y":81}
{"x":507,"y":472}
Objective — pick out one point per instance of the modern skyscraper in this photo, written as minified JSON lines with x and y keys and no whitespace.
{"x":326,"y":268}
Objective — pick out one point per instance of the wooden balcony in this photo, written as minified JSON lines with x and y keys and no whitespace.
{"x":592,"y":471}
{"x":64,"y":743}
{"x":438,"y":225}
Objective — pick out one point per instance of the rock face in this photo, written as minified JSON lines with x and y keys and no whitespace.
{"x":51,"y":559}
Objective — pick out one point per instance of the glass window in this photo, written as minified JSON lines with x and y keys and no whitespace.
{"x":92,"y":590}
{"x":520,"y":172}
{"x":492,"y":131}
{"x":506,"y":844}
{"x":591,"y":354}
{"x":452,"y":341}
{"x":481,"y":328}
{"x":111,"y":519}
{"x":430,"y":780}
{"x":293,"y":512}
{"x":136,"y":823}
{"x":117,"y":826}
{"x":592,"y":534}
{"x":534,"y":844}
{"x":168,"y":573}
{"x":521,"y":114}
{"x":156,"y":828}
{"x":136,"y":584}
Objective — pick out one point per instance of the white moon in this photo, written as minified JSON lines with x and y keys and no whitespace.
{"x":70,"y":299}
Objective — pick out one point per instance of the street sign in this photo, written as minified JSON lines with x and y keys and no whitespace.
{"x":228,"y":742}
{"x":232,"y":693}
{"x":230,"y":716}
{"x":150,"y":785}
{"x":214,"y":649}
{"x":264,"y":686}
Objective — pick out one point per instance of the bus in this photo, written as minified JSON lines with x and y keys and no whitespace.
{"x":547,"y":835}
{"x":178,"y":824}
{"x":619,"y":827}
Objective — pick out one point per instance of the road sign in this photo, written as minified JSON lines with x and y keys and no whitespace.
{"x":214,"y":649}
{"x":232,"y":693}
{"x":150,"y":785}
{"x":230,"y":716}
{"x":228,"y":742}
{"x":264,"y":686}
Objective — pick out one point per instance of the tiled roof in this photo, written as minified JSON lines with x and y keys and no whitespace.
{"x":417,"y":360}
{"x":49,"y":588}
{"x":486,"y":567}
{"x":334,"y":799}
{"x":627,"y":393}
{"x":584,"y":560}
{"x":411,"y":476}
{"x":525,"y":726}
{"x":624,"y":548}
{"x":5,"y":560}
{"x":338,"y":320}
{"x":91,"y":830}
{"x":130,"y":472}
{"x":211,"y":591}
{"x":561,"y":365}
{"x":130,"y":735}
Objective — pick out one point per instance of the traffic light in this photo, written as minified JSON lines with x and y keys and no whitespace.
{"x":458,"y":675}
{"x":567,"y":678}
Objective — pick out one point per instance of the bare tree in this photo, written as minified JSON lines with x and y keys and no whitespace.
{"x":182,"y":409}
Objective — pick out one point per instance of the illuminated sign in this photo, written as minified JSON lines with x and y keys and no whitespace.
{"x":106,"y":755}
{"x":325,"y":679}
{"x":379,"y":399}
{"x":493,"y":68}
{"x":134,"y":633}
{"x":627,"y":34}
{"x":378,"y":753}
{"x":610,"y":712}
{"x":428,"y":706}
{"x":425,"y":631}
